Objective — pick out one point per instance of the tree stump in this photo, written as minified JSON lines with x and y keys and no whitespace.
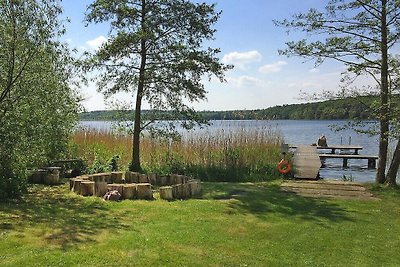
{"x":98,"y":178}
{"x":127,"y":177}
{"x":132,"y":177}
{"x":178,"y":179}
{"x":194,"y":187}
{"x":166,"y":193}
{"x":185,"y":191}
{"x":100,"y":189}
{"x":144,"y":191}
{"x":152,"y":178}
{"x":107,"y":178}
{"x":77,"y":185}
{"x":52,"y":176}
{"x":170,"y":180}
{"x":162,"y":180}
{"x":87,"y":188}
{"x":143,"y":179}
{"x":129,"y":191}
{"x":37,"y":176}
{"x":116,"y":177}
{"x":117,"y":187}
{"x":177,"y":191}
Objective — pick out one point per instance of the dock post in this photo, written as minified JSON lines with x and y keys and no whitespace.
{"x":345,"y":163}
{"x":371,"y":163}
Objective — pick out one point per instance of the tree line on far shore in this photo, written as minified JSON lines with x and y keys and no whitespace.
{"x":357,"y":108}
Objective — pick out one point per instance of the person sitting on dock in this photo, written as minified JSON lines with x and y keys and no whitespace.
{"x":322,"y":141}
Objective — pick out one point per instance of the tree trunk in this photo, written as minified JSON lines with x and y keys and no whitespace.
{"x":394,"y":166}
{"x":384,"y":94}
{"x":135,"y":165}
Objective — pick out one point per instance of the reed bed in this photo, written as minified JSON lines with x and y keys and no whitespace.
{"x":223,"y":155}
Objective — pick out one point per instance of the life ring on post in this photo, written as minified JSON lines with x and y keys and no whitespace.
{"x":284,"y":167}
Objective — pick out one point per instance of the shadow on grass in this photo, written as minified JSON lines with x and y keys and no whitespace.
{"x":264,"y":199}
{"x":57,"y":217}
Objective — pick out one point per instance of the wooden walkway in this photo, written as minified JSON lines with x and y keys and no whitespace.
{"x":371,"y":159}
{"x":306,"y":162}
{"x":327,"y":189}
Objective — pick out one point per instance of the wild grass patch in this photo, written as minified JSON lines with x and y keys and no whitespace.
{"x":235,"y":156}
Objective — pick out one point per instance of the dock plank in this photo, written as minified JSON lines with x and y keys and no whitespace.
{"x":306,"y":162}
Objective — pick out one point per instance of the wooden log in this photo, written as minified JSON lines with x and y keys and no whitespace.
{"x":127,"y":177}
{"x":194,"y":187}
{"x":52,"y":176}
{"x":77,"y":185}
{"x":177,"y":191}
{"x":185,"y":191}
{"x":84,"y":177}
{"x":116,"y":177}
{"x":143,"y":179}
{"x":107,"y":178}
{"x":162,"y":180}
{"x":144,"y":191}
{"x":100,"y":189}
{"x":129,"y":191}
{"x":170,"y":180}
{"x":177,"y":179}
{"x":117,"y":187}
{"x":166,"y":193}
{"x":98,"y":177}
{"x":86,"y":188}
{"x":152,"y":178}
{"x":38,"y":176}
{"x":133,"y":177}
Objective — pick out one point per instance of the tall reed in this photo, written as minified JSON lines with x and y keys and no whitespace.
{"x":223,"y":155}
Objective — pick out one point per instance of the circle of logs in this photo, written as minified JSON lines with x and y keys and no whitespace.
{"x":133,"y":185}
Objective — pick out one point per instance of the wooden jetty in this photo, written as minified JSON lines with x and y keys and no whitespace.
{"x":371,"y":159}
{"x":333,"y":148}
{"x":306,"y":162}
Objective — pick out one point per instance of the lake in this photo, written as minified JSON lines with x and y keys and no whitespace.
{"x":296,"y":132}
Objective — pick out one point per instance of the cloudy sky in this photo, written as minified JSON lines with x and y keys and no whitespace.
{"x":247,"y":39}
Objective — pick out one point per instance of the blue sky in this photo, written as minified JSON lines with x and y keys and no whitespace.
{"x":249,"y":40}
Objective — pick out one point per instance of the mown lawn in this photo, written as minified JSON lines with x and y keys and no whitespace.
{"x":232,"y":225}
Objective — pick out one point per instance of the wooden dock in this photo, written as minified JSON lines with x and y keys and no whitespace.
{"x":371,"y":159}
{"x":306,"y":162}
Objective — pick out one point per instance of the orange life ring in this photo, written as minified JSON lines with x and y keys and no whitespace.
{"x":284,"y":167}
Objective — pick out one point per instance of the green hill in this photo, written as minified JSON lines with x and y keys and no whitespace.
{"x":341,"y":109}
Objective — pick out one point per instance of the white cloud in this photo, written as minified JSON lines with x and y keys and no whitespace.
{"x":97,"y":42}
{"x":246,"y":81}
{"x":314,"y":70}
{"x":241,"y":59}
{"x":272,"y":68}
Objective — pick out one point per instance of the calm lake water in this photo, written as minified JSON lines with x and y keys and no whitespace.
{"x":296,"y":132}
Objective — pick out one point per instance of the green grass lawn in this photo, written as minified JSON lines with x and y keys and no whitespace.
{"x":232,"y":225}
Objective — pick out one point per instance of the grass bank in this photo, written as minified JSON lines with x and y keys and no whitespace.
{"x":240,"y":224}
{"x":234,"y":156}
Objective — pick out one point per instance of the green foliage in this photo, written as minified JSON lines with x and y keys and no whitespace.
{"x":156,"y":49}
{"x":361,"y":35}
{"x":37,"y":105}
{"x":248,"y":155}
{"x":357,"y":108}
